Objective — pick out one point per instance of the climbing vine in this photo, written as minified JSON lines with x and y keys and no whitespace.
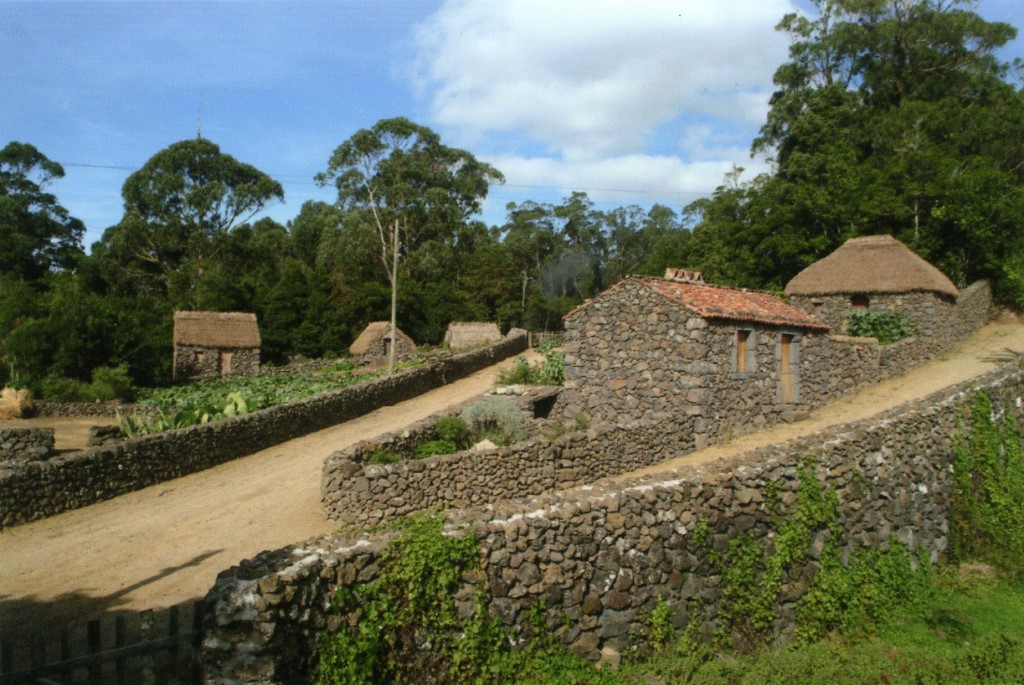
{"x":988,"y":492}
{"x":407,"y":628}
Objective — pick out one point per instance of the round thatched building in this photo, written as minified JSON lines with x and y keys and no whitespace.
{"x":876,"y":273}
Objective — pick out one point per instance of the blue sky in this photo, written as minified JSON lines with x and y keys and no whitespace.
{"x":630,"y":102}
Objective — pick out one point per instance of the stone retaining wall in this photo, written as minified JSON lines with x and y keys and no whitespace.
{"x":19,"y":445}
{"x":605,"y":554}
{"x":366,"y":494}
{"x":38,"y":489}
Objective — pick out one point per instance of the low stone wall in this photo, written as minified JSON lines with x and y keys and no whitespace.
{"x":973,"y":309}
{"x":75,"y":409}
{"x":19,"y":445}
{"x":38,"y":489}
{"x":603,"y":555}
{"x":366,"y":494}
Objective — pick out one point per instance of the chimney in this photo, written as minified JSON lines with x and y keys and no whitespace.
{"x":683,"y":276}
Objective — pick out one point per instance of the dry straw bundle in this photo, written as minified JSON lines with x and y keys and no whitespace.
{"x":14,"y":404}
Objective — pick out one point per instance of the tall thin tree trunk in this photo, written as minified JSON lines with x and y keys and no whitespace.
{"x":394,"y":297}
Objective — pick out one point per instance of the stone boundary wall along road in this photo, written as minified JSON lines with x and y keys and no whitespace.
{"x":38,"y":489}
{"x":25,"y":444}
{"x":604,"y":555}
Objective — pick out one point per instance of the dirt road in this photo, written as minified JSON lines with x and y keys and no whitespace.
{"x":164,"y":545}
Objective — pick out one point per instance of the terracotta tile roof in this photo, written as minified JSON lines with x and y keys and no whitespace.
{"x":720,"y":302}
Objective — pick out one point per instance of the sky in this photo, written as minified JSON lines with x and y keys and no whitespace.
{"x":632,"y":102}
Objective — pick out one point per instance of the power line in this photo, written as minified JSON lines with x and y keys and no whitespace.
{"x":299,"y":179}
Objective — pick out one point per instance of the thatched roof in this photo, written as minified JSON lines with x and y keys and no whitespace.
{"x":871,"y":265}
{"x":374,"y":333}
{"x":462,"y":335}
{"x":216,"y":329}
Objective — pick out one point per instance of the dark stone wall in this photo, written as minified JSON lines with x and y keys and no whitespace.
{"x":199,"y":363}
{"x":604,"y":554}
{"x":18,"y":445}
{"x":38,"y":489}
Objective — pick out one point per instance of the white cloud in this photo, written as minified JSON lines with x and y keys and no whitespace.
{"x":595,"y":79}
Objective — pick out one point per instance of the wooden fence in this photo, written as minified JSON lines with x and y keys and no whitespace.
{"x":149,"y":647}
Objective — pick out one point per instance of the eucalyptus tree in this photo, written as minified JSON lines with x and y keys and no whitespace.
{"x":177,"y":208}
{"x":37,"y":234}
{"x":397,"y":179}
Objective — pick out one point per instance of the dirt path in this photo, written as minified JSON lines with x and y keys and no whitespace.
{"x":164,"y":545}
{"x":987,"y":349}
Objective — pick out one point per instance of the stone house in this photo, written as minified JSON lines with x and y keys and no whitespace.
{"x":877,"y":273}
{"x":465,"y":335}
{"x":652,"y":348}
{"x":215,"y":345}
{"x":373,"y":344}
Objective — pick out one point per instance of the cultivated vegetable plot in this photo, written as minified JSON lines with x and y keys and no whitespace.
{"x":211,"y":400}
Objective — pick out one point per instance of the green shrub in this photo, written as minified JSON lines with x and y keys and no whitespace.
{"x":520,"y":373}
{"x":384,"y":457}
{"x":552,"y":370}
{"x":453,"y":429}
{"x":432,"y":448}
{"x":886,"y":327}
{"x":112,"y":383}
{"x":55,"y":389}
{"x":108,"y":383}
{"x":497,"y":419}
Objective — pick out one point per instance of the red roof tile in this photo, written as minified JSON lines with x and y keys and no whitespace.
{"x":719,"y":302}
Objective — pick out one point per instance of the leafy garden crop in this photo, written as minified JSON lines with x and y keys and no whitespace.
{"x":886,"y":327}
{"x":188,"y":405}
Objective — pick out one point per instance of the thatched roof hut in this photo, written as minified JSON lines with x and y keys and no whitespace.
{"x":215,"y":344}
{"x":218,"y":330}
{"x":374,"y":339}
{"x":463,"y":335}
{"x":877,"y":264}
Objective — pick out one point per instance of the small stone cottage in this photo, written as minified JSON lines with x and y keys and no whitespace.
{"x":373,"y":344}
{"x":465,"y":335}
{"x":649,"y":348}
{"x":876,"y":273}
{"x":215,"y":345}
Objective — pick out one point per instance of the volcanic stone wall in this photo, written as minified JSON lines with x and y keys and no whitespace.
{"x":194,"y":362}
{"x":25,"y":444}
{"x":603,"y":555}
{"x":356,"y":492}
{"x":37,"y":489}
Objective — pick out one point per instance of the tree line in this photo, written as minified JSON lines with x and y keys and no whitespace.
{"x":891,"y":116}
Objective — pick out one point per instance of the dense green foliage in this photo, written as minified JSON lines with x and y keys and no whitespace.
{"x":988,"y":492}
{"x":887,"y":327}
{"x":891,"y":116}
